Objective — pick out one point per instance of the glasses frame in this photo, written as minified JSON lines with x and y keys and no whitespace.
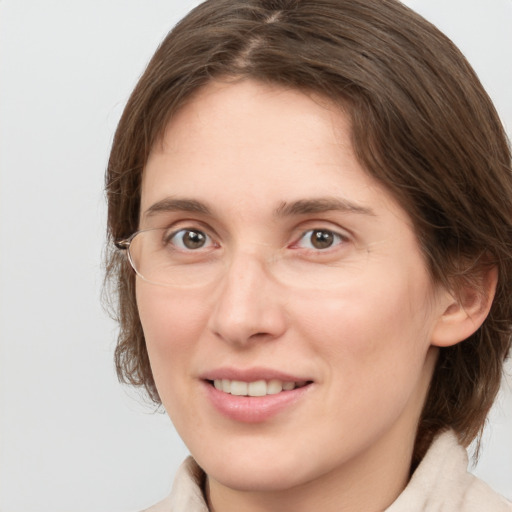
{"x":124,"y":245}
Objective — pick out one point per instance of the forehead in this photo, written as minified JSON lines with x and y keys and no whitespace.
{"x":246,"y":144}
{"x":234,"y":121}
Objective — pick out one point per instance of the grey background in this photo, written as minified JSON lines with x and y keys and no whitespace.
{"x":71,"y":438}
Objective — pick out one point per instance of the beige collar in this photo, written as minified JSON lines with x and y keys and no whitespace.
{"x":441,"y":483}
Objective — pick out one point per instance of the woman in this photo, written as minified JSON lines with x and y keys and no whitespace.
{"x":315,"y":198}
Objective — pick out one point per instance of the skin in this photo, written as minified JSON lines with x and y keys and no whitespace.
{"x":360,"y":319}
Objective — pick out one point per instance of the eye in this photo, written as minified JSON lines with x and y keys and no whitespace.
{"x":320,"y":239}
{"x":190,"y":239}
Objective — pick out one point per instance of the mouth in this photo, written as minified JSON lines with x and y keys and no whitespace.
{"x":255,"y":400}
{"x":254,"y":395}
{"x":256,"y":388}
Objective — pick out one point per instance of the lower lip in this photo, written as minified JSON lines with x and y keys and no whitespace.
{"x":253,"y":409}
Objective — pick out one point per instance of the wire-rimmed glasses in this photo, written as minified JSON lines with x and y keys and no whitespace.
{"x":156,"y":259}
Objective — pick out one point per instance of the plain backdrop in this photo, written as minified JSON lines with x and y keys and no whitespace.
{"x":71,"y":438}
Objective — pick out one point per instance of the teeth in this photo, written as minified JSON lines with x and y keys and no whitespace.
{"x":226,"y":386}
{"x":274,"y":387}
{"x":238,"y":388}
{"x":256,"y":388}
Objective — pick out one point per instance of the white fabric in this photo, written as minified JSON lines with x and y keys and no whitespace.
{"x":441,"y":483}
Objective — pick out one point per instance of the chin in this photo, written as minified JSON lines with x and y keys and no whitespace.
{"x":256,"y":477}
{"x":254,"y":468}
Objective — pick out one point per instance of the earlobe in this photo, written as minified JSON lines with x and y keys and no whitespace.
{"x":464,"y":313}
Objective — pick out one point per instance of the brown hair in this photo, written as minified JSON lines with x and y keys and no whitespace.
{"x":422,"y":125}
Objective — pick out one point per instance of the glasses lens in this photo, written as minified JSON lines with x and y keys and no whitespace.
{"x":158,"y":260}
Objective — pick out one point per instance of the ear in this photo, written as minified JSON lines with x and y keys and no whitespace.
{"x":464,"y":313}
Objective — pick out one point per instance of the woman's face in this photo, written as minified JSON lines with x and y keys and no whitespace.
{"x":300,"y":268}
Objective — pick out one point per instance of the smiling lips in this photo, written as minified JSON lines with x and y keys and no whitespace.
{"x":252,"y":397}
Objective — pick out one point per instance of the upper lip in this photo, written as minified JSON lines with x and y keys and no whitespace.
{"x":251,"y":375}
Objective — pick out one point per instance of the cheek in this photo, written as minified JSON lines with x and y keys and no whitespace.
{"x":172,"y":322}
{"x":370,"y":332}
{"x":363,"y":318}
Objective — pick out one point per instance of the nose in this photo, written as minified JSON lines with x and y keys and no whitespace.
{"x":248,"y":304}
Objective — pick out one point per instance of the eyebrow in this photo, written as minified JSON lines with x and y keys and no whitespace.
{"x":170,"y":204}
{"x":285,"y":209}
{"x":320,"y":205}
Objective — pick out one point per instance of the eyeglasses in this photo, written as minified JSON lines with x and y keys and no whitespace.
{"x":157,"y":259}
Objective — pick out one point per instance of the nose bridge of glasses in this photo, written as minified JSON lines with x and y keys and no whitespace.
{"x":157,"y":264}
{"x":252,"y":257}
{"x":250,"y":263}
{"x":247,"y":259}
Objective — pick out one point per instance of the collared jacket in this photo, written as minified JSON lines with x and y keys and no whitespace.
{"x":441,"y":483}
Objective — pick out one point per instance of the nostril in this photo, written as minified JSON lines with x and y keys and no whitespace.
{"x":259,"y":335}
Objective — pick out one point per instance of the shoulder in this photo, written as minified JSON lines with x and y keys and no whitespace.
{"x":187,"y":491}
{"x":479,"y":496}
{"x":161,"y":506}
{"x":442,"y":483}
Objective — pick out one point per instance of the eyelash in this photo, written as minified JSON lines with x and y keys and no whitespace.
{"x":323,"y":235}
{"x":169,"y":238}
